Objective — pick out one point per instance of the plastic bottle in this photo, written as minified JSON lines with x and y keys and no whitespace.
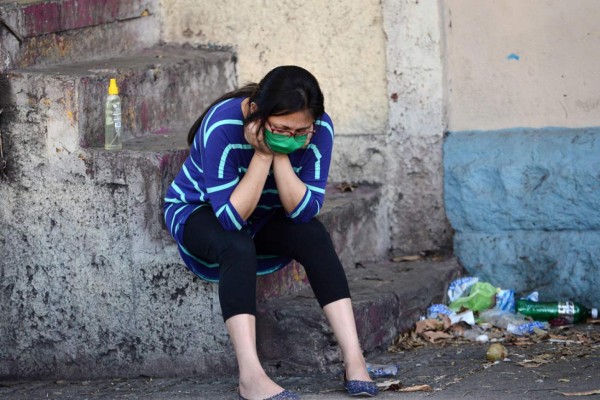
{"x":112,"y":116}
{"x":568,"y":311}
{"x":381,"y":370}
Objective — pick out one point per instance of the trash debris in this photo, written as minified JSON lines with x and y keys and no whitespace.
{"x":466,"y":316}
{"x":396,"y":386}
{"x":480,"y":312}
{"x":460,"y":286}
{"x":537,"y":361}
{"x":438,"y":309}
{"x":505,"y":300}
{"x":496,"y":352}
{"x":500,"y":318}
{"x":382,"y":370}
{"x":587,"y":393}
{"x":389,"y":386}
{"x":417,"y":388}
{"x":482,"y":296}
{"x":407,"y":258}
{"x":526,"y":328}
{"x":566,"y":312}
{"x":433,"y":329}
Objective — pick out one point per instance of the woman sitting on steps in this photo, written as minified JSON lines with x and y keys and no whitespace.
{"x":244,"y":204}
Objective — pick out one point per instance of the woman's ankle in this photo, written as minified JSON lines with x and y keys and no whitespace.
{"x":258,"y":385}
{"x":356,"y":369}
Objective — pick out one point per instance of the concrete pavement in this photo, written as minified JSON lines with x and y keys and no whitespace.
{"x":453,"y":369}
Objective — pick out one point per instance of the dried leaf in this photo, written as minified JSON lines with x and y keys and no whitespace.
{"x":407,"y":258}
{"x":347,"y":186}
{"x":536,"y":361}
{"x":417,"y":388}
{"x":446,"y":321}
{"x":458,"y":330}
{"x":406,"y":341}
{"x":588,"y":393}
{"x":432,"y":336}
{"x":428,"y":325}
{"x":393,"y":385}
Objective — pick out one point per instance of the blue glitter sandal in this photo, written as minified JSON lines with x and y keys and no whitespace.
{"x":285,"y":395}
{"x":361,"y":388}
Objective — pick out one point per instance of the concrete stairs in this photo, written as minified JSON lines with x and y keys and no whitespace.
{"x":50,"y":32}
{"x":92,"y":284}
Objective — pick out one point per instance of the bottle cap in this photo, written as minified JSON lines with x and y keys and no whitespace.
{"x":594,"y":313}
{"x":113,"y":88}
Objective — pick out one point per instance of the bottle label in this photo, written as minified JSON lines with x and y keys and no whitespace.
{"x":117,"y":115}
{"x":566,"y":309}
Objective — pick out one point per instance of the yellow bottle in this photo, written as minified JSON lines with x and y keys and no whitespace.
{"x":113,"y":139}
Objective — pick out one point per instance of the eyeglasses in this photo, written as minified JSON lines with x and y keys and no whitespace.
{"x":288,"y":133}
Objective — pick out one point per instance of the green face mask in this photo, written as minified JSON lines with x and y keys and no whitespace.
{"x":282,"y":143}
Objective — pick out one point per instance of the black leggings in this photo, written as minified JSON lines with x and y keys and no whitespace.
{"x":235,"y":252}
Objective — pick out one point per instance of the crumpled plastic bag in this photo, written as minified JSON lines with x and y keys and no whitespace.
{"x":460,"y":287}
{"x":482,"y":296}
{"x":505,"y":300}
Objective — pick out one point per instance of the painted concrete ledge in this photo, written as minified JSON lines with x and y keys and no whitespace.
{"x":525,"y":205}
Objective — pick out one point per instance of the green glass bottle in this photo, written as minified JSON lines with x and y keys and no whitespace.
{"x":568,"y":311}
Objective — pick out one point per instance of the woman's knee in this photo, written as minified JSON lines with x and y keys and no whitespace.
{"x":235,"y":247}
{"x":312,"y":230}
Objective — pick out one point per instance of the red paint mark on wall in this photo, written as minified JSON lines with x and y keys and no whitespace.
{"x":41,"y":18}
{"x":81,"y":13}
{"x":56,"y":16}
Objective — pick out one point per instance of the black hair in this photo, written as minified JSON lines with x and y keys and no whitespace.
{"x":284,"y":90}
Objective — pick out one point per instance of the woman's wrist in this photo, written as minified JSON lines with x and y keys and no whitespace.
{"x":280,"y":156}
{"x":263,"y":156}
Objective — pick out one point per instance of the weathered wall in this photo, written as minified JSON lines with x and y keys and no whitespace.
{"x":342,"y":43}
{"x":91,"y":284}
{"x":417,"y":123}
{"x":534,"y":64}
{"x":379,"y":64}
{"x":524,"y":201}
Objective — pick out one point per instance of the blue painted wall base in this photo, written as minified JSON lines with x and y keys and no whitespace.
{"x":525,"y":205}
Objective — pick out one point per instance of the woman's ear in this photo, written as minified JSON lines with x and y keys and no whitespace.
{"x":253,"y":107}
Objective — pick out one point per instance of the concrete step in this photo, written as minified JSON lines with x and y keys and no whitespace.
{"x":162,"y":88}
{"x":47,"y":32}
{"x":294,"y":337}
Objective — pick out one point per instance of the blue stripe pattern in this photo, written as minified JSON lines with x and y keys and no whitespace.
{"x":226,"y":153}
{"x":219,"y":159}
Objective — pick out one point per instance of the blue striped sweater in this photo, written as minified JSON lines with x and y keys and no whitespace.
{"x":218,"y":160}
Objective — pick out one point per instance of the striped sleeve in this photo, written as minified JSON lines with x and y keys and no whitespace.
{"x":220,"y":168}
{"x":314,"y":172}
